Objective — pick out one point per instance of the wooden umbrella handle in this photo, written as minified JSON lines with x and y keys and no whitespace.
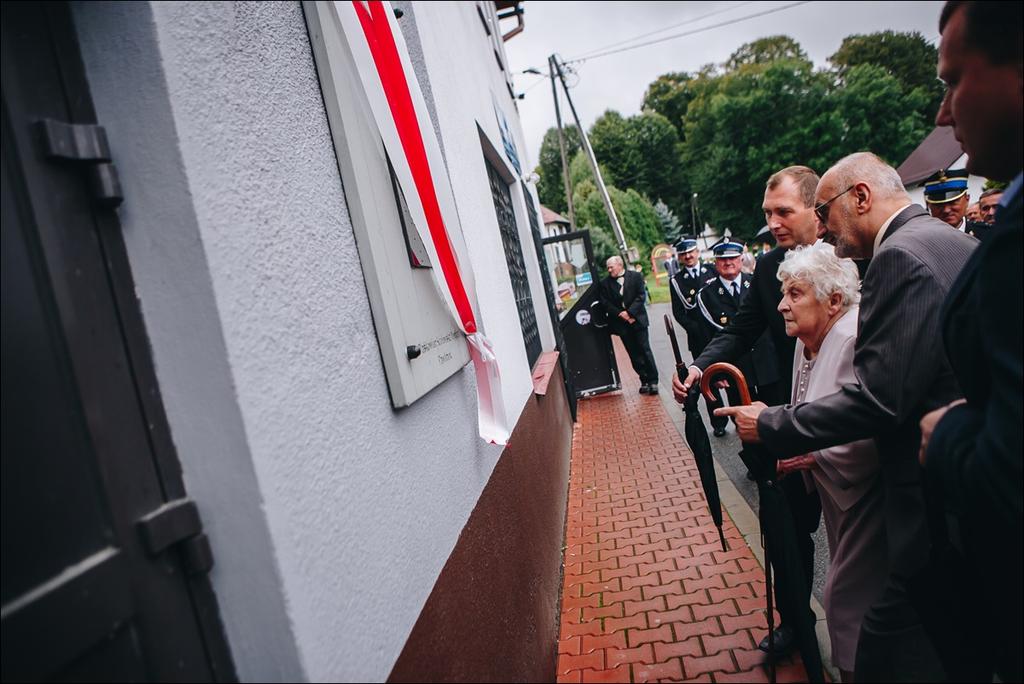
{"x":734,"y":373}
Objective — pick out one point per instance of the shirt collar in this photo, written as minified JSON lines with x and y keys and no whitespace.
{"x":728,"y":283}
{"x":885,"y":227}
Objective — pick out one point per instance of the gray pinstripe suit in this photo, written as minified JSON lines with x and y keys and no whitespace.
{"x":902,"y":373}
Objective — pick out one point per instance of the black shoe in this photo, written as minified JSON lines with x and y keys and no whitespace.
{"x":785,"y":639}
{"x":652,"y":388}
{"x":644,"y":390}
{"x":720,"y":431}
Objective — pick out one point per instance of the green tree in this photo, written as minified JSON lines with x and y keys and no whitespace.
{"x":907,"y":57}
{"x":745,"y":125}
{"x":670,"y":95}
{"x":550,"y":188}
{"x":671,"y":229}
{"x":879,"y":115}
{"x":637,"y":217}
{"x":641,"y":152}
{"x":764,"y":51}
{"x":591,"y":215}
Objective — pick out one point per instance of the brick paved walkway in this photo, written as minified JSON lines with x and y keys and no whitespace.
{"x":648,"y":593}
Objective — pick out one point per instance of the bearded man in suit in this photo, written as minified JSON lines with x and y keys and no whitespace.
{"x":902,"y":374}
{"x":623,"y":296}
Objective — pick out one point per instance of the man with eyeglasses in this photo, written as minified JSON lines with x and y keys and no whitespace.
{"x":902,"y":374}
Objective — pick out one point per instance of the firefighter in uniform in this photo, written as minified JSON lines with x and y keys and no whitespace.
{"x":945,"y":193}
{"x":684,"y":286}
{"x":717,"y":302}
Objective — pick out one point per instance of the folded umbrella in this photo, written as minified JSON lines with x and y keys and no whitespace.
{"x":778,"y":536}
{"x":696,"y":435}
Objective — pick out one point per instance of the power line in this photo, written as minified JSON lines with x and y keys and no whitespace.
{"x":690,"y":33}
{"x":663,"y":29}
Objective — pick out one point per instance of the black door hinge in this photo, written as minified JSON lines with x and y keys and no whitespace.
{"x":84,"y":144}
{"x":177,"y":523}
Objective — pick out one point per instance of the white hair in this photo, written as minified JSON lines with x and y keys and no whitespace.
{"x":865,"y":167}
{"x":614,"y":260}
{"x":818,"y":265}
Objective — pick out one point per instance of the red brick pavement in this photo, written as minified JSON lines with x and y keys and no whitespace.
{"x":648,"y":593}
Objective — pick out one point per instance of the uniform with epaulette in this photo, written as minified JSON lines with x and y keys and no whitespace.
{"x":718,"y":303}
{"x":683,"y":289}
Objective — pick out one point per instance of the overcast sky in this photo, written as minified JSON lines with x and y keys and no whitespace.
{"x":573,"y":29}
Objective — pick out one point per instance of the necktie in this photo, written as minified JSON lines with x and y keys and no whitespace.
{"x":622,"y":284}
{"x":735,"y":290}
{"x":693,"y":273}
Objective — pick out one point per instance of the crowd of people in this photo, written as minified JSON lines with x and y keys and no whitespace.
{"x":883,"y":345}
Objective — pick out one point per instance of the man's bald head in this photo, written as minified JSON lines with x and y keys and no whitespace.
{"x":868,"y":168}
{"x":854,"y":199}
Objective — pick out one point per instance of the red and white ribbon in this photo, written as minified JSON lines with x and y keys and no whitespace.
{"x":400,"y":113}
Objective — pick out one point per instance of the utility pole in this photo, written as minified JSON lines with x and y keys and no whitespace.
{"x":616,"y":228}
{"x":561,"y":147}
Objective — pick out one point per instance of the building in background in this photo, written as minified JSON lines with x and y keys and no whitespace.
{"x":240,"y":431}
{"x":938,"y":151}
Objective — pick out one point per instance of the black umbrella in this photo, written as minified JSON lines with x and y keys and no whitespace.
{"x":778,"y":536}
{"x":697,"y":437}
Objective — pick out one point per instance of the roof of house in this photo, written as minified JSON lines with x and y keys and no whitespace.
{"x":549,"y":216}
{"x":937,"y":151}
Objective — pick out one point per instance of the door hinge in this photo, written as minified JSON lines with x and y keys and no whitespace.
{"x":177,"y":523}
{"x":84,"y":144}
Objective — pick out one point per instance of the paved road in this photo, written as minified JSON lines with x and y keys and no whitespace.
{"x":726,"y":449}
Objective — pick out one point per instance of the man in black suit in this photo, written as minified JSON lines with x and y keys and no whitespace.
{"x":683,"y":289}
{"x":789,"y":212}
{"x":719,"y":301}
{"x":902,"y":374}
{"x":623,"y":296}
{"x":972,"y":450}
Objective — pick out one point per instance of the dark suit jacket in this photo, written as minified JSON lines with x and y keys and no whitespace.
{"x":758,"y":312}
{"x":901,"y":371}
{"x":634,"y":294}
{"x":717,"y":308}
{"x":973,"y":463}
{"x":976,"y":449}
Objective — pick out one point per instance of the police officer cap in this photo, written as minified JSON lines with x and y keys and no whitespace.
{"x":686,"y":245}
{"x":945,"y":185}
{"x":724,"y":250}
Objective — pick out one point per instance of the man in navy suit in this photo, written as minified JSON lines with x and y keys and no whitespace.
{"x":623,"y":296}
{"x":972,"y":448}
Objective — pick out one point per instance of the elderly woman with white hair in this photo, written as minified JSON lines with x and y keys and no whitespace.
{"x":819,"y":306}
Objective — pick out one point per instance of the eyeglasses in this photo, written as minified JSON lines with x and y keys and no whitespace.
{"x":821,"y":211}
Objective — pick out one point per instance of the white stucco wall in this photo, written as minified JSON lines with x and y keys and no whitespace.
{"x":330,"y":514}
{"x":463,"y":77}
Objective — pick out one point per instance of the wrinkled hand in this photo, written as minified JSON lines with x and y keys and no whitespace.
{"x":681,"y":388}
{"x":928,"y":423}
{"x":624,"y":315}
{"x":790,"y":465}
{"x":745,"y":418}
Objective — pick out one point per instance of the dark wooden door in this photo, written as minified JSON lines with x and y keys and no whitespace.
{"x":103,"y":561}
